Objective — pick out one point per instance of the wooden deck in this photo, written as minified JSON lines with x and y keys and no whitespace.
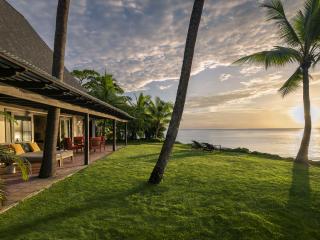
{"x":18,"y":190}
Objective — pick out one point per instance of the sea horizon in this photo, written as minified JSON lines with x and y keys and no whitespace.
{"x":244,"y":128}
{"x":281,"y":141}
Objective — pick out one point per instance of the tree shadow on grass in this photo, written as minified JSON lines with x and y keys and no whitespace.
{"x":177,"y":155}
{"x":99,"y":201}
{"x":299,"y":203}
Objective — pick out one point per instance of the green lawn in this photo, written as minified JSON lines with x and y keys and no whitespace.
{"x":203,"y":196}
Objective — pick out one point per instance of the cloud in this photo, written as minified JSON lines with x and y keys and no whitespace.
{"x":164,"y":87}
{"x":224,"y":77}
{"x":250,"y":70}
{"x":235,"y":99}
{"x":141,"y":41}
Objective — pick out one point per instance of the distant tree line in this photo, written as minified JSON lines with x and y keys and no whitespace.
{"x":151,"y":115}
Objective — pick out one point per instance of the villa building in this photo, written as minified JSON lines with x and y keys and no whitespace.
{"x":28,"y":90}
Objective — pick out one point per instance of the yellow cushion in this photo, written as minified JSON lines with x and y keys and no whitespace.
{"x":17,"y":148}
{"x":34,"y":147}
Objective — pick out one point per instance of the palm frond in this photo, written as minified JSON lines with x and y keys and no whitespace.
{"x":299,"y":25}
{"x":275,"y":12}
{"x":8,"y":157}
{"x":311,"y":22}
{"x":317,"y":59}
{"x":292,"y":84}
{"x":7,"y":116}
{"x":279,"y":56}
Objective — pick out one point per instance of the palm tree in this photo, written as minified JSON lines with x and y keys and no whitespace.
{"x":302,"y":46}
{"x":106,"y":88}
{"x":84,"y":75}
{"x":159,"y":113}
{"x":158,"y":171}
{"x":48,"y":166}
{"x":138,"y":109}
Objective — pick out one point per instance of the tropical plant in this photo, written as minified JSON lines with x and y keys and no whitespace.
{"x":48,"y":164}
{"x":7,"y":116}
{"x":8,"y":157}
{"x":85,"y":75}
{"x":150,"y":118}
{"x":159,"y":115}
{"x":137,"y":126}
{"x":106,"y":88}
{"x":301,"y":38}
{"x":158,"y":171}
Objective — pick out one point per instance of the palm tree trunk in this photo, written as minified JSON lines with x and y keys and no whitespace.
{"x":158,"y":171}
{"x":48,"y":166}
{"x":302,"y":156}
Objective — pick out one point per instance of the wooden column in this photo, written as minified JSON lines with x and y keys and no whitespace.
{"x":126,"y":134}
{"x":114,"y":130}
{"x":93,"y":128}
{"x":86,"y":140}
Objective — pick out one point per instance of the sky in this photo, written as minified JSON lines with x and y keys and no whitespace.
{"x":141,"y":42}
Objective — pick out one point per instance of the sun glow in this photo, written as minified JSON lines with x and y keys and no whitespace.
{"x":297,"y":113}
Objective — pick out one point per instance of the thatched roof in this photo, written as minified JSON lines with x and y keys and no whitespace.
{"x":22,"y":44}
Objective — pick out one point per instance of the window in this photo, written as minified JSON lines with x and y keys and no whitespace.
{"x":65,"y":128}
{"x":22,"y":129}
{"x":8,"y":127}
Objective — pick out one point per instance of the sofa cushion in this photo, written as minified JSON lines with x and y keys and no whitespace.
{"x":26,"y":147}
{"x":17,"y":148}
{"x":34,"y":146}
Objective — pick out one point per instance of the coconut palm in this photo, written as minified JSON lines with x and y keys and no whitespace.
{"x":48,"y":165}
{"x":137,"y":126}
{"x":161,"y":164}
{"x":106,"y":88}
{"x":159,"y":114}
{"x":85,"y":75}
{"x":302,"y":46}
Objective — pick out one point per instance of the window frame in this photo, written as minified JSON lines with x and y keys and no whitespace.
{"x":23,"y":132}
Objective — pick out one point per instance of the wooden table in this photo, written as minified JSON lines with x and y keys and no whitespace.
{"x":63,"y":154}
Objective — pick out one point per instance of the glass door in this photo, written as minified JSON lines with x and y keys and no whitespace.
{"x":65,"y":128}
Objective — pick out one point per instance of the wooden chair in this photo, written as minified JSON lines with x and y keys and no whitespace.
{"x":197,"y":145}
{"x":68,"y":145}
{"x":95,"y":143}
{"x":79,"y":141}
{"x":210,"y":147}
{"x":103,"y":142}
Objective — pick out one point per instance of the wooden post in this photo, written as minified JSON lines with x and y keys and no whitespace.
{"x":126,"y":134}
{"x":86,"y":140}
{"x":93,"y":128}
{"x":114,"y":146}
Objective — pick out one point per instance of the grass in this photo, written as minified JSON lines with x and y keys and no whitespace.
{"x":203,"y":196}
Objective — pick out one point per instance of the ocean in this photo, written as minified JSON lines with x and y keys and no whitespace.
{"x":284,"y":142}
